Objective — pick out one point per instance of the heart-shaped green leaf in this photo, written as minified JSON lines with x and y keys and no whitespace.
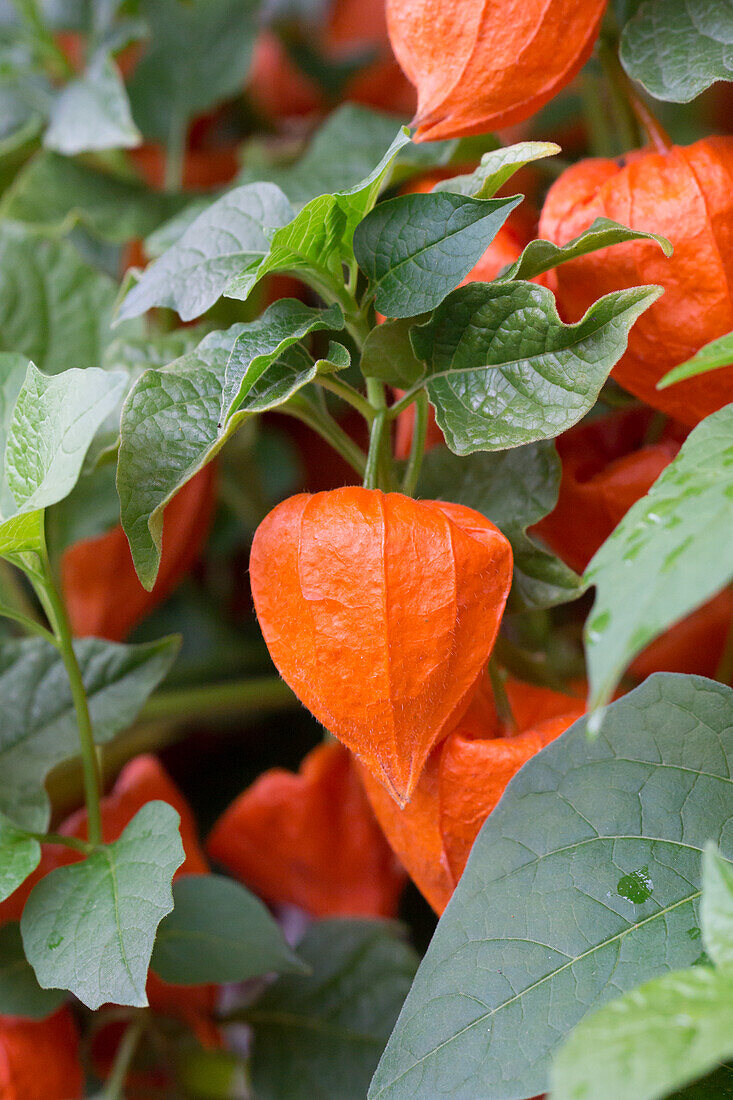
{"x":92,"y":112}
{"x":678,"y":48}
{"x":90,"y":927}
{"x":584,"y":882}
{"x":502,"y":369}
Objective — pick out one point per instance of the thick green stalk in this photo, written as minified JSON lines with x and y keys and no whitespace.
{"x":90,"y":765}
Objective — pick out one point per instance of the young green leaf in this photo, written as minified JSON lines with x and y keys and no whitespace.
{"x":20,"y":993}
{"x":37,"y":719}
{"x":219,"y":932}
{"x":584,"y":881}
{"x":541,"y":256}
{"x":650,"y":1042}
{"x":224,"y":240}
{"x":259,"y":343}
{"x":503,"y":370}
{"x":55,"y":193}
{"x":716,"y":908}
{"x":323,"y":1033}
{"x":92,"y":112}
{"x":54,"y":308}
{"x":19,"y":855}
{"x":671,"y":552}
{"x":416,"y":248}
{"x":676,"y":49}
{"x":199,"y":54}
{"x":514,"y":489}
{"x":172,"y":426}
{"x":53,"y":423}
{"x":318,"y":241}
{"x":718,"y":353}
{"x":90,"y":927}
{"x":497,"y":167}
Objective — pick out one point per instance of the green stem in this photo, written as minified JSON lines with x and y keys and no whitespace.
{"x":114,"y":1088}
{"x":501,"y":699}
{"x":348,"y":394}
{"x":67,"y":841}
{"x":627,"y":127}
{"x":594,"y":112}
{"x":375,"y":472}
{"x":265,"y":693}
{"x":417,"y":449}
{"x":90,"y":765}
{"x":405,"y":401}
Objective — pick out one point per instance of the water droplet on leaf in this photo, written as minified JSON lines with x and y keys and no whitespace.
{"x":636,"y":887}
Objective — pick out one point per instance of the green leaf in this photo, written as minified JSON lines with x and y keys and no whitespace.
{"x":37,"y":718}
{"x":514,"y":489}
{"x":671,"y":552}
{"x":322,"y":1035}
{"x":21,"y":534}
{"x":584,"y":881}
{"x":540,"y":255}
{"x":503,"y":370}
{"x":657,"y":1039}
{"x":54,"y":308}
{"x":54,"y":421}
{"x":172,"y":427}
{"x":92,"y":112}
{"x":222,"y":241}
{"x":497,"y":167}
{"x":678,"y":48}
{"x":55,"y":193}
{"x":199,"y":55}
{"x":219,"y":932}
{"x":90,"y":927}
{"x":341,"y":154}
{"x":318,"y":241}
{"x":20,"y":993}
{"x":19,"y":855}
{"x":718,"y":353}
{"x":389,"y":356}
{"x":415,"y":249}
{"x":716,"y":909}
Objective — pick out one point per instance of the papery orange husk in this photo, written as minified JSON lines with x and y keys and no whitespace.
{"x":686,"y":194}
{"x":103,"y":596}
{"x":40,"y":1059}
{"x":352,"y":28}
{"x":310,"y":840}
{"x":380,"y":612}
{"x":480,"y":65}
{"x":142,"y":780}
{"x":463,"y":780}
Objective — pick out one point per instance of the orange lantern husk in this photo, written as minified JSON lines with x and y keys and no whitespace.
{"x":685,"y":194}
{"x":380,"y":612}
{"x":310,"y":840}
